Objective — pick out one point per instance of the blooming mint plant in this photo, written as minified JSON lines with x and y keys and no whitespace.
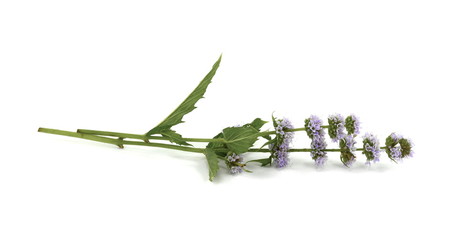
{"x":229,"y":145}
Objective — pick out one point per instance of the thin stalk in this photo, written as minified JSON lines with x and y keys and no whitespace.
{"x":290,"y":130}
{"x":290,"y":150}
{"x":118,"y":142}
{"x":361,"y":149}
{"x":274,"y":132}
{"x":143,"y":137}
{"x":147,"y":138}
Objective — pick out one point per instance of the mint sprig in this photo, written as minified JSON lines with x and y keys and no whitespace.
{"x":229,"y":145}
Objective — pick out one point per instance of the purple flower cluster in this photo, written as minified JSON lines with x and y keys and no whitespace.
{"x":371,"y":148}
{"x":234,"y":163}
{"x":318,"y":144}
{"x":336,"y":127}
{"x":394,"y":150}
{"x":352,"y":125}
{"x":280,"y":147}
{"x":349,"y":142}
{"x":398,"y":147}
{"x":347,"y":146}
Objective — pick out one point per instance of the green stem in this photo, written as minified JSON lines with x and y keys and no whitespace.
{"x":147,"y":138}
{"x":290,"y":150}
{"x":118,"y":142}
{"x":274,"y":132}
{"x":143,"y":137}
{"x":361,"y":149}
{"x":290,"y":130}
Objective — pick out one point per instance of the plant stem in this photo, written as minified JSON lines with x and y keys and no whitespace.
{"x":143,"y":137}
{"x":290,"y":150}
{"x":274,"y":132}
{"x":147,"y":138}
{"x":118,"y":142}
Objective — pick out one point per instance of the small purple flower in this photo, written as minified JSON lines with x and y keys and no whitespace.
{"x":236,"y":170}
{"x":313,"y":125}
{"x":371,"y":148}
{"x":398,"y":148}
{"x":279,"y":148}
{"x":395,"y":137}
{"x":233,"y":157}
{"x":234,"y":163}
{"x":336,"y":127}
{"x":396,"y":153}
{"x":316,"y":133}
{"x":347,"y":146}
{"x":352,"y":124}
{"x":350,"y":142}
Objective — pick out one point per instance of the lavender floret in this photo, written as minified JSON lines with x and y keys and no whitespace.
{"x":352,"y":125}
{"x":236,"y":170}
{"x":371,"y":148}
{"x":336,"y":127}
{"x":398,"y":148}
{"x":315,"y":131}
{"x":279,"y":149}
{"x":234,"y":163}
{"x":347,"y":146}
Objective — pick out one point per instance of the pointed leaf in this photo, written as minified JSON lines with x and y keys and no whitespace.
{"x":212,"y":160}
{"x":272,"y":141}
{"x":188,"y":104}
{"x":256,"y":124}
{"x":174,"y":137}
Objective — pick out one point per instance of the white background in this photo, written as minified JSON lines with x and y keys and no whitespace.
{"x":402,"y":66}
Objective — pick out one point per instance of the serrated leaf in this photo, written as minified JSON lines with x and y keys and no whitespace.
{"x":174,"y":137}
{"x":212,"y":160}
{"x":240,"y":139}
{"x":187,"y":105}
{"x":263,"y":161}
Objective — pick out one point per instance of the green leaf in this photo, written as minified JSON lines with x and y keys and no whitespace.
{"x":256,"y":124}
{"x":275,"y":123}
{"x":174,"y":137}
{"x":212,"y":160}
{"x":215,"y":145}
{"x":263,"y":161}
{"x":271,"y":141}
{"x":240,"y":139}
{"x":187,"y":105}
{"x":267,"y":137}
